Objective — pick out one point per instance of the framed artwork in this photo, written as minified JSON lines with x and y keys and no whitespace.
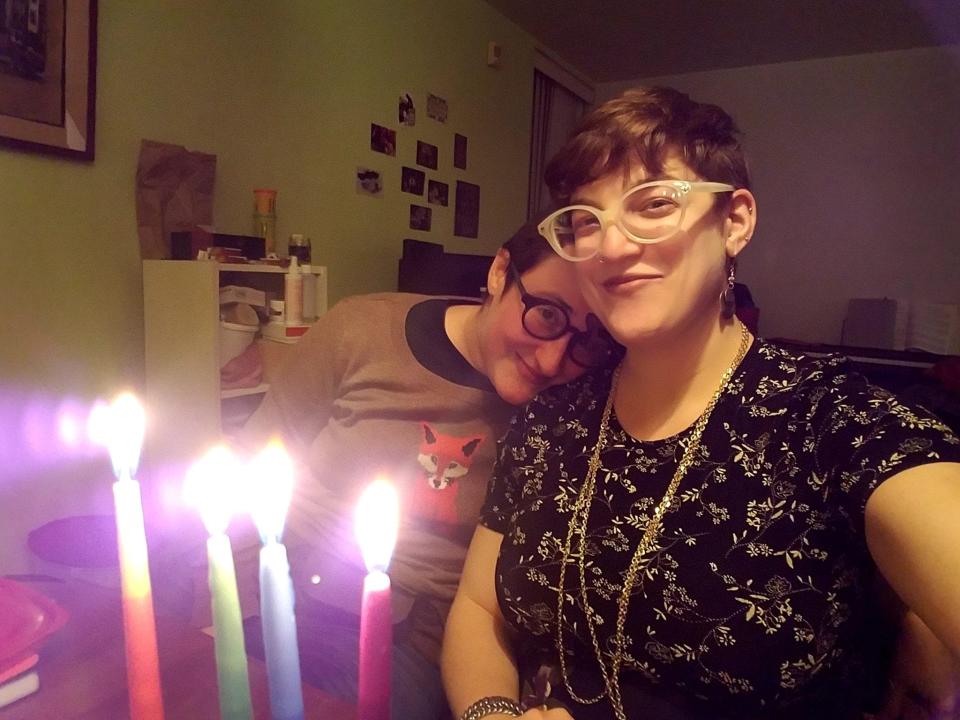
{"x":466,"y":214}
{"x":48,"y":76}
{"x":460,"y":151}
{"x":437,"y":193}
{"x":426,"y":155}
{"x":420,"y":217}
{"x":411,"y":180}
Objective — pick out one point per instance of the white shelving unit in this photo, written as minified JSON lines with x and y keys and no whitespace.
{"x":188,"y":411}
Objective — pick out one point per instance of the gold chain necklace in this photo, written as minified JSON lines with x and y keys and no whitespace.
{"x":578,"y":526}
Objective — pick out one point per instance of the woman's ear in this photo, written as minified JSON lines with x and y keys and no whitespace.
{"x":497,"y":274}
{"x":741,"y":221}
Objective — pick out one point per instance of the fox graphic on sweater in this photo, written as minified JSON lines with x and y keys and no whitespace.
{"x":444,"y":458}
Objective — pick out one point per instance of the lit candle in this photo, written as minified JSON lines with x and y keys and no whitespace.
{"x":376,"y":529}
{"x":213,"y":484}
{"x":124,"y":437}
{"x":270,"y":479}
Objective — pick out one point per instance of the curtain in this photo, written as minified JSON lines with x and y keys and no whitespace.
{"x":556,"y":111}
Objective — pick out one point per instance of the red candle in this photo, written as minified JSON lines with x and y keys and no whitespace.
{"x":376,"y":529}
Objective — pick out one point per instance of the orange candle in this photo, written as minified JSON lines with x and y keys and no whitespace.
{"x":143,"y":665}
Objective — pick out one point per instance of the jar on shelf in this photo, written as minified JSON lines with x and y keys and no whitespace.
{"x":265,"y":218}
{"x":299,"y":247}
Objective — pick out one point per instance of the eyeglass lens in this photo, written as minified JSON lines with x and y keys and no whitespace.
{"x":546,"y":320}
{"x":648,"y":212}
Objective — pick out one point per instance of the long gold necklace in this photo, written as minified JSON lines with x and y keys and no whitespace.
{"x":578,"y":526}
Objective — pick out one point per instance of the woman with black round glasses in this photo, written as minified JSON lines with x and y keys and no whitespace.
{"x":419,"y":388}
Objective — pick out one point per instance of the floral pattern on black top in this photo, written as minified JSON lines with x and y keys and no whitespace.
{"x":761,"y":554}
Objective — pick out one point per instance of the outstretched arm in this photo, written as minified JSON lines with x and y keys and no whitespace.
{"x":913,"y":531}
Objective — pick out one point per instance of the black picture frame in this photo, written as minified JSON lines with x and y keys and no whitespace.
{"x":420,"y":218}
{"x":466,"y":214}
{"x":437,"y":193}
{"x":49,"y":87}
{"x":427,"y":155}
{"x":460,"y":151}
{"x":412,"y":180}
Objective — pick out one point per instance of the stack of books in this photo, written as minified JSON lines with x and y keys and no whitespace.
{"x":18,"y":679}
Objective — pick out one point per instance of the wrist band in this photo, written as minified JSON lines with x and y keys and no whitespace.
{"x":490,"y":705}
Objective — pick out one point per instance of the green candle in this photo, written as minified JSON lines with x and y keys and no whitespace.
{"x":212,"y":488}
{"x":232,"y":678}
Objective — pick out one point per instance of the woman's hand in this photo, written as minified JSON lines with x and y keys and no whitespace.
{"x":924,"y":677}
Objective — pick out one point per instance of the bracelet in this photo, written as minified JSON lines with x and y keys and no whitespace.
{"x":490,"y":705}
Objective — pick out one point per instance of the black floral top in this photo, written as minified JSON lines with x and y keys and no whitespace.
{"x":753,"y":598}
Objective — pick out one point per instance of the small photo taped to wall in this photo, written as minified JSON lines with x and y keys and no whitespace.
{"x":369,"y":182}
{"x":383,"y":139}
{"x":406,"y":111}
{"x":436,"y":108}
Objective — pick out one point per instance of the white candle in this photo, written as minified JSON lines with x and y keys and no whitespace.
{"x":270,"y":486}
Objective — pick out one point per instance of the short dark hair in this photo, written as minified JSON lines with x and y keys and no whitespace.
{"x":527,"y":249}
{"x":641,"y":126}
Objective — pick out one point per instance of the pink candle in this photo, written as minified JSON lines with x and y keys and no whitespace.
{"x":376,"y":640}
{"x":376,"y":529}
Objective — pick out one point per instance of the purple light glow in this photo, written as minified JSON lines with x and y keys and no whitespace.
{"x":39,"y":433}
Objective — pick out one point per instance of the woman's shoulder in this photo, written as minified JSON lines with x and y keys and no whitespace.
{"x":795,"y":360}
{"x":824,"y":384}
{"x":778,"y":367}
{"x":387,"y":303}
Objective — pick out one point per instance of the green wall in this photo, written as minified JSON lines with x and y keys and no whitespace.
{"x":284,"y":94}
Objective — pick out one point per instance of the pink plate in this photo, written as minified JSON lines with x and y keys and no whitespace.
{"x":27,"y":618}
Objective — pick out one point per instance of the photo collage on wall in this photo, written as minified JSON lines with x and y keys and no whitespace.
{"x":433,"y":189}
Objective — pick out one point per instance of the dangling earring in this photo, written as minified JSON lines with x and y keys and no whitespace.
{"x":728,"y":300}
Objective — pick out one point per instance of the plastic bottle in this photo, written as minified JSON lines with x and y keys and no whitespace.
{"x":265,"y":218}
{"x":309,"y":293}
{"x":293,"y":293}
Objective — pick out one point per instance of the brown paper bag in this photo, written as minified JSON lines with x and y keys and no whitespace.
{"x":174,"y":192}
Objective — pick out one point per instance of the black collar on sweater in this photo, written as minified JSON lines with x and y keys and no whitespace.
{"x":432,"y":348}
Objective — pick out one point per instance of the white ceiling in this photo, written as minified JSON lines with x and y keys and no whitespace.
{"x":611,"y":40}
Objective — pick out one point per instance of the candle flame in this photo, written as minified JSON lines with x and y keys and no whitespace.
{"x":270,"y":479}
{"x":375,"y":523}
{"x":125,"y":424}
{"x":212,"y":485}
